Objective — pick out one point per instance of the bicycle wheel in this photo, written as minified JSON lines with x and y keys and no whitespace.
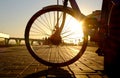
{"x":42,"y":25}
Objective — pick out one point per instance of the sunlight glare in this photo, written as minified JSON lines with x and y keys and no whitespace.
{"x":75,"y":27}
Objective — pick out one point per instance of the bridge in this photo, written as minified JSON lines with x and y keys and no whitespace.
{"x":7,"y":39}
{"x":18,"y":40}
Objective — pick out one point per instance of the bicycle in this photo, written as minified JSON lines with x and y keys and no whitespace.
{"x":50,"y":27}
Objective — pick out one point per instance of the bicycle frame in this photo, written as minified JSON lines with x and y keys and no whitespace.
{"x":75,"y":7}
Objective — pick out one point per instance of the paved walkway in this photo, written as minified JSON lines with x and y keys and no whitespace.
{"x":16,"y":62}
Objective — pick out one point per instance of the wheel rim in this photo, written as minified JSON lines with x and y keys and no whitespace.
{"x":40,"y":28}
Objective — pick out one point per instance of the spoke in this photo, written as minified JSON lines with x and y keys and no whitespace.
{"x":41,"y":29}
{"x":54,"y":19}
{"x":68,"y":35}
{"x":68,"y":51}
{"x":44,"y":52}
{"x":35,"y":30}
{"x":34,"y":34}
{"x":48,"y":23}
{"x":61,"y":54}
{"x":71,"y":51}
{"x":58,"y":55}
{"x":49,"y":54}
{"x":64,"y":55}
{"x":65,"y":32}
{"x":66,"y":27}
{"x":41,"y":22}
{"x":44,"y":25}
{"x":67,"y":38}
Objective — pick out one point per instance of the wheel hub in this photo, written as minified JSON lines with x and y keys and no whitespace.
{"x":55,"y":39}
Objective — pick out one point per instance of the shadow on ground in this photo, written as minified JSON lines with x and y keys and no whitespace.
{"x":51,"y":73}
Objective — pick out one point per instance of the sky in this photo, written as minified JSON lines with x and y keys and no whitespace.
{"x":14,"y":14}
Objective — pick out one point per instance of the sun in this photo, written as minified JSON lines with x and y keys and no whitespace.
{"x":74,"y":28}
{"x":78,"y":32}
{"x":77,"y":29}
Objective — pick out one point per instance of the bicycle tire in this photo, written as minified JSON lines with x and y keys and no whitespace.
{"x":33,"y":49}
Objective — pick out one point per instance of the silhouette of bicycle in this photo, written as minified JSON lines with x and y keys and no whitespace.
{"x":51,"y":27}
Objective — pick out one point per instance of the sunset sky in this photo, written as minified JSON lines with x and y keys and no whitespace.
{"x":14,"y":14}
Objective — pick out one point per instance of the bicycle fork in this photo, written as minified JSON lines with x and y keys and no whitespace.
{"x":56,"y":38}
